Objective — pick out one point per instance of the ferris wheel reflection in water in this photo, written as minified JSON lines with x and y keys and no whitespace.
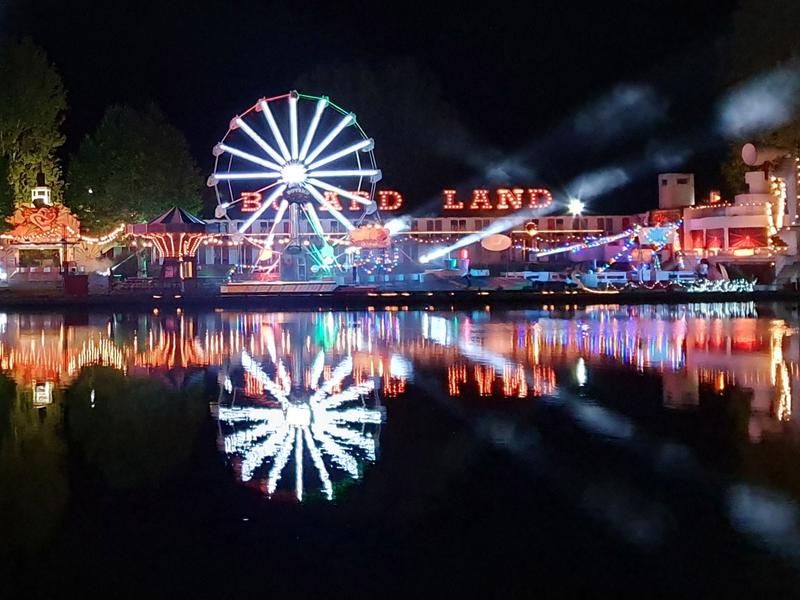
{"x":305,"y":418}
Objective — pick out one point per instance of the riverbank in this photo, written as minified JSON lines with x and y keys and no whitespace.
{"x":367,"y":299}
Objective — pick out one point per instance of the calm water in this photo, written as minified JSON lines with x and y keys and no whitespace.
{"x":650,"y":450}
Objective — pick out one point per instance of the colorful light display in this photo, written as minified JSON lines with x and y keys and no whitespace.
{"x":505,"y":199}
{"x":302,"y":171}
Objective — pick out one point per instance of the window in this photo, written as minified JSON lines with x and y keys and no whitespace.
{"x":626,"y":222}
{"x":224,"y":252}
{"x":551,"y":224}
{"x":462,"y":224}
{"x":429,"y":225}
{"x":266,"y":226}
{"x":334,"y":228}
{"x":664,"y":182}
{"x":559,"y":223}
{"x":584,"y":223}
{"x":453,"y":225}
{"x":683,"y":181}
{"x":438,"y":224}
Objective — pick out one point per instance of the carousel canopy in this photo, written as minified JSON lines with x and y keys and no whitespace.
{"x":175,"y":220}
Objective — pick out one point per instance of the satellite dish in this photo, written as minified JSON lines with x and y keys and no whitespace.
{"x":496,"y":243}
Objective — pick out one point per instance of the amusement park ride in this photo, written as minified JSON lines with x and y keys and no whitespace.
{"x":298,"y":155}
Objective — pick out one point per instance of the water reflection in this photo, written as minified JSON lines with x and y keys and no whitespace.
{"x":314,"y":398}
{"x":300,"y":399}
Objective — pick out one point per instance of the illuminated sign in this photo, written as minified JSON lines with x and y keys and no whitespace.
{"x":370,"y":237}
{"x":388,"y":201}
{"x":481,"y":200}
{"x":504,"y":199}
{"x":251,"y":201}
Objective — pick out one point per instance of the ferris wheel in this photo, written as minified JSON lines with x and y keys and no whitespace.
{"x":300,"y":156}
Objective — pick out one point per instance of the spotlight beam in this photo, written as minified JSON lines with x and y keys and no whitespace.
{"x":322,"y":103}
{"x":598,"y":242}
{"x":259,"y":140}
{"x":277,"y":192}
{"x":348,"y":119}
{"x":276,"y":133}
{"x":498,"y":226}
{"x":321,"y":199}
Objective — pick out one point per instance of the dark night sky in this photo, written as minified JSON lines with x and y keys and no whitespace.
{"x":512,"y":70}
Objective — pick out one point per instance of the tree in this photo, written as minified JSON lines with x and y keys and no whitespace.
{"x":7,"y":203}
{"x":135,"y":166}
{"x":32,"y":107}
{"x":418,"y":138}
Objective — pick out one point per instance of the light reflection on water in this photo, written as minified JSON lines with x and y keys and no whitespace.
{"x":646,"y":431}
{"x":300,"y":398}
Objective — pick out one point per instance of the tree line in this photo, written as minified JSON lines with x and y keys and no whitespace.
{"x":134,"y":166}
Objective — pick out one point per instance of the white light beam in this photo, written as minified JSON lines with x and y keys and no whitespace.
{"x":259,"y":140}
{"x":270,"y":240}
{"x":276,"y":133}
{"x":317,"y":367}
{"x":293,"y":124}
{"x":311,"y":213}
{"x":336,"y":214}
{"x":319,"y":463}
{"x":238,"y":176}
{"x":346,"y":120}
{"x":338,"y":190}
{"x":337,"y":155}
{"x":298,"y":463}
{"x":312,"y":129}
{"x":280,"y":461}
{"x":278,"y":191}
{"x":250,"y":157}
{"x":345,"y":173}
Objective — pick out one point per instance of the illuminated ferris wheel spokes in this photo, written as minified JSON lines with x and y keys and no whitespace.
{"x":296,"y":168}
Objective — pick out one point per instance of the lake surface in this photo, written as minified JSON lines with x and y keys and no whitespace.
{"x":648,"y":450}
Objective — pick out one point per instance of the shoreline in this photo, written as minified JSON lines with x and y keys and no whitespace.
{"x":381,"y":300}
